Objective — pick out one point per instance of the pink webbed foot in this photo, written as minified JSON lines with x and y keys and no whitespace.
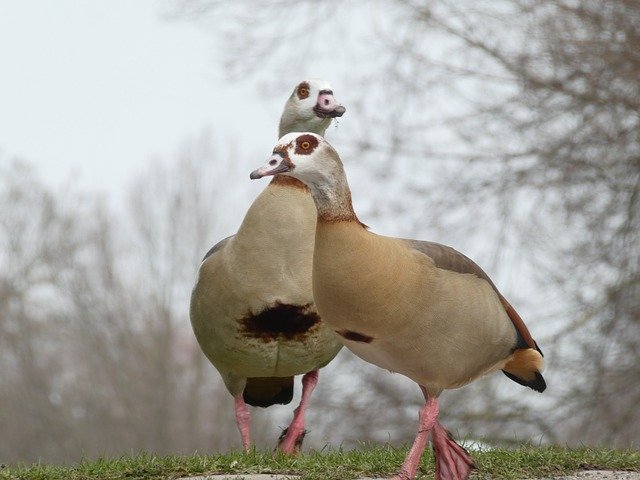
{"x":243,"y":421}
{"x":291,"y":439}
{"x":452,"y":461}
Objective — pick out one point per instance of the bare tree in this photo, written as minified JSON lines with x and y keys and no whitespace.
{"x":40,"y":242}
{"x":162,"y":394}
{"x":572,"y":155}
{"x":174,"y":211}
{"x":514,"y":134}
{"x":96,"y":350}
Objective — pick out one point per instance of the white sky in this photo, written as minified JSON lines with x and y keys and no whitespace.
{"x":94,"y":89}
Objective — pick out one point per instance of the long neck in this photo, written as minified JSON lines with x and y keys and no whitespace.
{"x":267,"y":223}
{"x":331,"y":193}
{"x":291,"y":121}
{"x":333,"y":202}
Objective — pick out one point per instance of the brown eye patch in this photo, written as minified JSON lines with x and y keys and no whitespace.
{"x":303,"y":90}
{"x":305,"y":144}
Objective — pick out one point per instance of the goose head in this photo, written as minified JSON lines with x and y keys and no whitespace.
{"x":310,"y":108}
{"x":305,"y":156}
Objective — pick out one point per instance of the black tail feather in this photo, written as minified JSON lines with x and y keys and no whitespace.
{"x":538,"y":384}
{"x":264,"y":392}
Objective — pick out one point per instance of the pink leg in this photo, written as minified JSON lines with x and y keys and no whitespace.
{"x":243,"y":420}
{"x":427,"y":419}
{"x":452,"y":461}
{"x":291,"y":439}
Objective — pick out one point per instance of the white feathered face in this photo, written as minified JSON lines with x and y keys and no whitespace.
{"x":297,"y":155}
{"x":315,"y":98}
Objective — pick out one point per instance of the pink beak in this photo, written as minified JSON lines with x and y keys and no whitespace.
{"x":327,"y":107}
{"x":326,"y":101}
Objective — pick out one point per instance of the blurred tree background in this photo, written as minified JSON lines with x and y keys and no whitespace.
{"x":509,"y":129}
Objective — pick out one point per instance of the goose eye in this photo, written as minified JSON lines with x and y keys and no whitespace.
{"x":273,"y":162}
{"x":303,"y":91}
{"x":305,"y":144}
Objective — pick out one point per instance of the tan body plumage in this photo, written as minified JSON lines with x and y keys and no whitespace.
{"x":267,"y":262}
{"x":425,"y":332}
{"x":252,"y":308}
{"x":418,"y":308}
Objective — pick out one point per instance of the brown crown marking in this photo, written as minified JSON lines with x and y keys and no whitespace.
{"x":306,"y":144}
{"x":303,"y":90}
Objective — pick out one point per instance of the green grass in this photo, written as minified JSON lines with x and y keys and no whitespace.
{"x":523,"y":462}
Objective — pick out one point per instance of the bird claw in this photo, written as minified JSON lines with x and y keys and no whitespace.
{"x":290,"y":444}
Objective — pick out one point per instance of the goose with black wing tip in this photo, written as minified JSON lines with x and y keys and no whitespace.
{"x":417,"y":308}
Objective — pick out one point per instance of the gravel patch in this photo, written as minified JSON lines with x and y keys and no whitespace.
{"x":601,"y":475}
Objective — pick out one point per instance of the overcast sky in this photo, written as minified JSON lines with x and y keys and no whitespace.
{"x":95,"y":89}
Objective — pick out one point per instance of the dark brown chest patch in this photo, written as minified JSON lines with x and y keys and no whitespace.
{"x":280,"y":321}
{"x":354,"y":336}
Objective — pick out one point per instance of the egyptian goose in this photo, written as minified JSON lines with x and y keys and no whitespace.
{"x":252,"y":307}
{"x":413,"y":307}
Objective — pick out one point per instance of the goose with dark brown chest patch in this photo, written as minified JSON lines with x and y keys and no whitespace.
{"x":417,"y":308}
{"x":252,"y":307}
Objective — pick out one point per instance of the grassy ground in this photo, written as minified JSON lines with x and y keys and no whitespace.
{"x":524,"y":462}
